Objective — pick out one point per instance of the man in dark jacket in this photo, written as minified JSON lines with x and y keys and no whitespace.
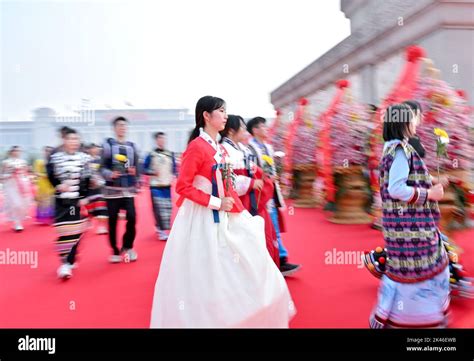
{"x":121,"y":172}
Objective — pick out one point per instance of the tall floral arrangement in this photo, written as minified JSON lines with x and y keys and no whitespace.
{"x":304,"y":143}
{"x":350,"y":129}
{"x":444,"y":108}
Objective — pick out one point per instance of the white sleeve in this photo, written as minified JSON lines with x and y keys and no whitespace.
{"x":214,"y":203}
{"x":398,"y":176}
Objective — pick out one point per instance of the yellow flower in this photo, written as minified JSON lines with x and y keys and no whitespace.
{"x":267,"y":159}
{"x":121,"y":158}
{"x":441,"y":133}
{"x":447,"y":102}
{"x":443,"y":139}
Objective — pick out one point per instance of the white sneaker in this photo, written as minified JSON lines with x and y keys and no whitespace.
{"x":18,"y":227}
{"x":102,"y":230}
{"x":65,"y":271}
{"x":129,"y":255}
{"x":115,"y":258}
{"x":162,"y":235}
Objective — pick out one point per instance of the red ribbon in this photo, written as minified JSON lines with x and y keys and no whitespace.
{"x":325,"y":140}
{"x":274,"y":128}
{"x":293,"y":128}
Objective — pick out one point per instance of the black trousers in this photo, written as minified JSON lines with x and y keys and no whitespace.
{"x":114,"y":206}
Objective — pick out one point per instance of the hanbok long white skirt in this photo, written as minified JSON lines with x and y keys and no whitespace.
{"x":218,"y":275}
{"x":17,"y":204}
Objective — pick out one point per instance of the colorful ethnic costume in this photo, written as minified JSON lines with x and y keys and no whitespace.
{"x":216,"y":270}
{"x":96,"y":205}
{"x":415,"y":285}
{"x":44,"y":194}
{"x":69,"y":169}
{"x":160,"y":165}
{"x":17,"y":190}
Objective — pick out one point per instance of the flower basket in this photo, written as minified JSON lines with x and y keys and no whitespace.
{"x":305,"y":197}
{"x":352,"y":196}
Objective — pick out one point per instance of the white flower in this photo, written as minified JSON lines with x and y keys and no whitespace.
{"x":444,"y":140}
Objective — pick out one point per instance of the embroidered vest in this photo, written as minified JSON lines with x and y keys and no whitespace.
{"x":414,"y":249}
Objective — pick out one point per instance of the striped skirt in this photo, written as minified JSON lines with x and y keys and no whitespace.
{"x":69,"y":225}
{"x":96,"y":205}
{"x":162,"y":206}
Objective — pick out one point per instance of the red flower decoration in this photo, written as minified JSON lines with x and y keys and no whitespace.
{"x":414,"y":53}
{"x":304,"y":101}
{"x":461,"y":93}
{"x":342,"y":83}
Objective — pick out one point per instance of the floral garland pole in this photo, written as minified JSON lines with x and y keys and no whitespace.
{"x":324,"y":145}
{"x":305,"y":139}
{"x":304,"y":159}
{"x":293,"y":142}
{"x":292,"y":133}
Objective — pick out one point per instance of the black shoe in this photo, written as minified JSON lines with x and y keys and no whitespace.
{"x":287,"y":269}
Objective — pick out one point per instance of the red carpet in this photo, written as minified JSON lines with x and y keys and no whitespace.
{"x":119,"y":295}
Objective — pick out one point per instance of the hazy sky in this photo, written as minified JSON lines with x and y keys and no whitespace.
{"x":158,"y":54}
